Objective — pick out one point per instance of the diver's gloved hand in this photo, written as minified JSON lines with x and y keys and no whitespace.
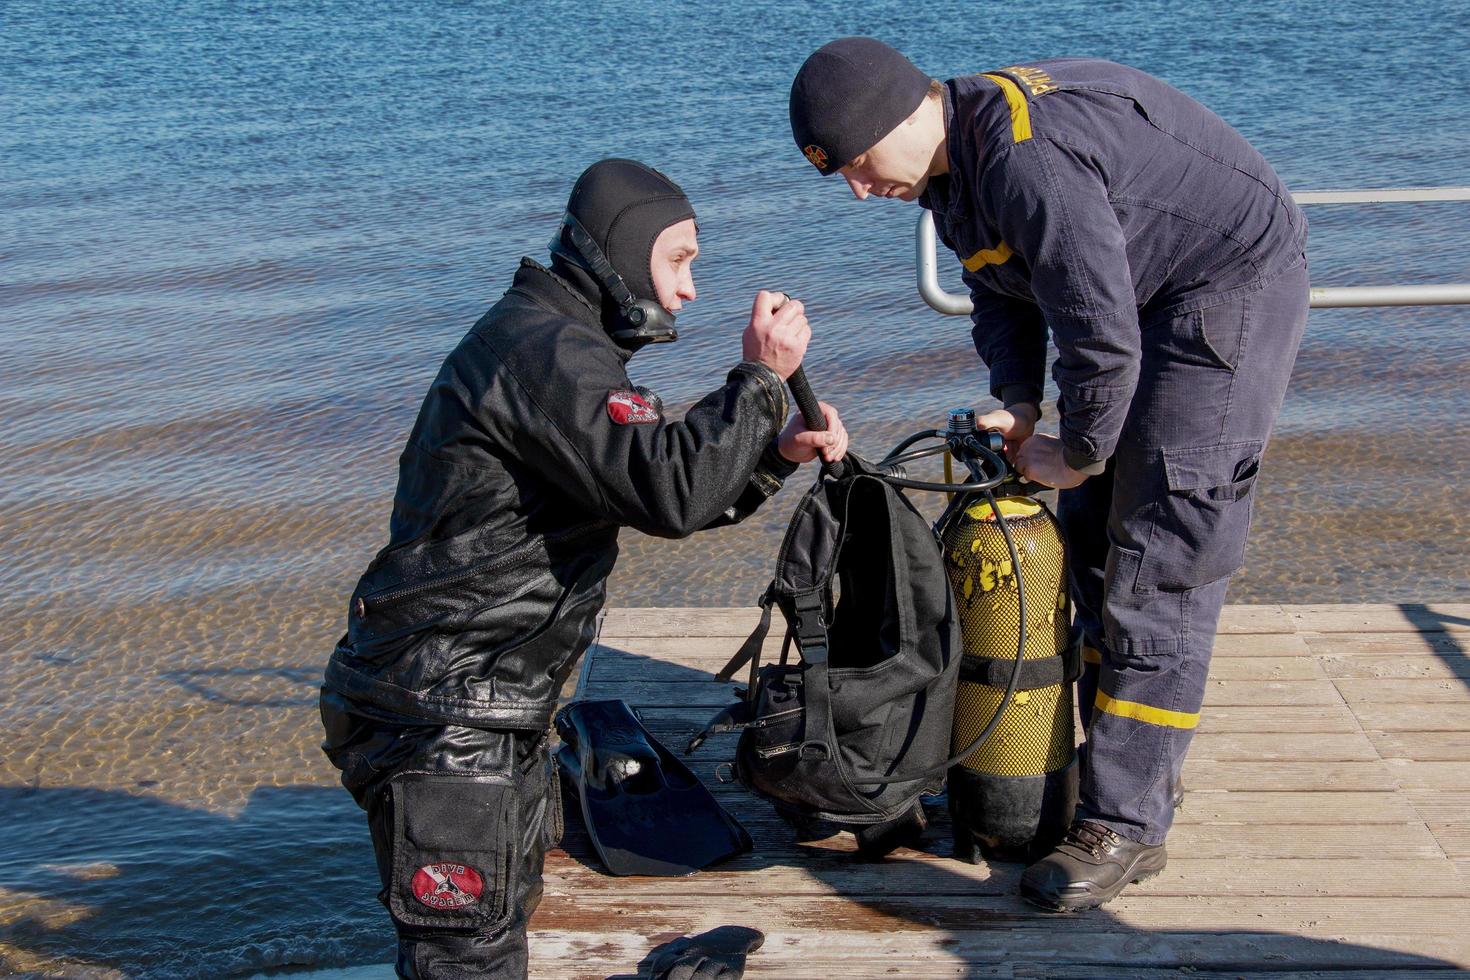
{"x":715,"y":955}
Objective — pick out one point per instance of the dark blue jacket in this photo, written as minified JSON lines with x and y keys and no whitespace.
{"x":1087,"y":198}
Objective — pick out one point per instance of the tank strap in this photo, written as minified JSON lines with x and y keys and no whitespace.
{"x":1061,"y":668}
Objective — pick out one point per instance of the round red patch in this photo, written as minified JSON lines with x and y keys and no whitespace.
{"x":447,"y":885}
{"x":629,"y":408}
{"x":816,"y":155}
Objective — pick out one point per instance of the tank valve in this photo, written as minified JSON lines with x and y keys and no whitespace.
{"x":961,"y":421}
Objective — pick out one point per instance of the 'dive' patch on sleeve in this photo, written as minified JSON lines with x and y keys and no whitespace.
{"x":629,"y":408}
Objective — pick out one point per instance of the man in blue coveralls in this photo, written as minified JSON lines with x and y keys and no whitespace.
{"x":1091,"y":201}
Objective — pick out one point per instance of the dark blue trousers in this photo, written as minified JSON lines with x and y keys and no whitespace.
{"x":1154,"y":539}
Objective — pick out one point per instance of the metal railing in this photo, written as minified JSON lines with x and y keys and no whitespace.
{"x":958,"y":304}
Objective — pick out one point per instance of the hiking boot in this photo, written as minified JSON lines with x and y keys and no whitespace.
{"x":1090,"y":866}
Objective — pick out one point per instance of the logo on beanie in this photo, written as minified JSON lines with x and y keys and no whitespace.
{"x":447,"y":885}
{"x":629,"y":408}
{"x":816,"y":155}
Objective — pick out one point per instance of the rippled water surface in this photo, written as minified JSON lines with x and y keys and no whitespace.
{"x":237,"y":239}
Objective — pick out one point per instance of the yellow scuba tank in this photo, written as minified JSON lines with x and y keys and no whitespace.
{"x":1014,"y":796}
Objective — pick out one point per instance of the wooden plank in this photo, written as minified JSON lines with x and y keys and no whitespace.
{"x":1263,"y":739}
{"x":1294,"y":776}
{"x":705,"y":652}
{"x":1315,"y":618}
{"x":1269,"y":747}
{"x":1278,"y":718}
{"x":1446,"y":617}
{"x":776,"y":842}
{"x":1447,"y":814}
{"x":676,"y":725}
{"x":1397,"y":667}
{"x":923,"y":912}
{"x":740,"y":620}
{"x":702,"y":691}
{"x":1230,"y":645}
{"x":1286,"y":807}
{"x":1386,"y":644}
{"x":1405,"y":717}
{"x":1201,"y":805}
{"x":1089,"y":971}
{"x":1255,"y":619}
{"x":1264,"y":877}
{"x":1423,"y":746}
{"x":700,"y":648}
{"x":676,"y":660}
{"x":1357,"y":690}
{"x":680,"y":621}
{"x":1091,"y":946}
{"x":1219,"y":718}
{"x":1453,"y":837}
{"x":1439,"y":806}
{"x":1429,"y":775}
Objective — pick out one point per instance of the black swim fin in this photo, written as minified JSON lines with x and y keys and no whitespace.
{"x":646,"y":813}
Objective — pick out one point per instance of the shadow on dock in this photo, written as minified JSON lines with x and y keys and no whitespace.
{"x":1451,"y":649}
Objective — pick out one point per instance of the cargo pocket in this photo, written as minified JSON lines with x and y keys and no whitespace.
{"x":454,"y":843}
{"x":1198,"y":535}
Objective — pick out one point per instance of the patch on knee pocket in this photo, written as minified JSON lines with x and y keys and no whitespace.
{"x":453,"y":846}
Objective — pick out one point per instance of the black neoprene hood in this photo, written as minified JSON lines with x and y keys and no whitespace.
{"x":624,"y":205}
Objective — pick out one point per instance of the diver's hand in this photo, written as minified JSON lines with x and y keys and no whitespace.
{"x":1016,"y":424}
{"x":798,"y":444}
{"x":778,"y":332}
{"x":1040,"y":459}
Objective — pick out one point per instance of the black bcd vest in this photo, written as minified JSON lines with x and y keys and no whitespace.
{"x":860,"y":580}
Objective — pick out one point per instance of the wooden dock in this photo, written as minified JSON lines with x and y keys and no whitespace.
{"x":1326,"y":829}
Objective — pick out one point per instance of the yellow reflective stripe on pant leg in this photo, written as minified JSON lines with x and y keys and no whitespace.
{"x":1020,"y":113}
{"x":1146,"y":713}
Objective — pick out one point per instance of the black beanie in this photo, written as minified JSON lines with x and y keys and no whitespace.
{"x":850,"y":94}
{"x":624,"y":205}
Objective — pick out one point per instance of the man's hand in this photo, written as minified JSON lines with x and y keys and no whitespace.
{"x":1040,"y":459}
{"x":778,"y":333}
{"x":800,"y":444}
{"x":1016,"y":424}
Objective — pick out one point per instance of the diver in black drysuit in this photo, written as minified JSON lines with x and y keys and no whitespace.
{"x":531,"y":450}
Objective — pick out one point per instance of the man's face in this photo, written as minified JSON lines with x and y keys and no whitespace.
{"x":895,"y":166}
{"x":674,"y":251}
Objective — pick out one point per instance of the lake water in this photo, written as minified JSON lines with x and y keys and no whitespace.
{"x":236,"y":240}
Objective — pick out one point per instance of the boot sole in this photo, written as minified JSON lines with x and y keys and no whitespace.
{"x":1085,"y":902}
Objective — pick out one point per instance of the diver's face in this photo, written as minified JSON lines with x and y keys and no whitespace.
{"x":896,"y":166}
{"x":674,"y":252}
